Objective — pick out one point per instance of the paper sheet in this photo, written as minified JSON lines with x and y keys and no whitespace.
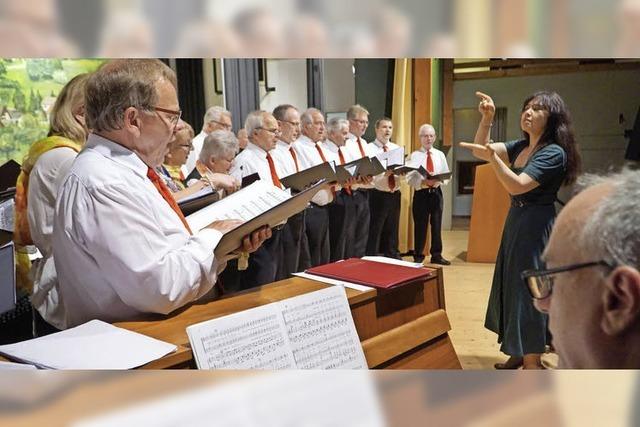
{"x":244,"y":205}
{"x":311,"y":331}
{"x":393,"y":261}
{"x":6,"y":215}
{"x":93,"y":345}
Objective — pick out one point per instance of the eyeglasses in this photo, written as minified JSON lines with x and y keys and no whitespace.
{"x":175,"y":115}
{"x":294,"y":124}
{"x":360,"y":122}
{"x":226,"y":126}
{"x":540,"y":282}
{"x":275,"y":131}
{"x":189,"y":147}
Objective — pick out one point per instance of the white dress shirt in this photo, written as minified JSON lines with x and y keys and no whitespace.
{"x":119,"y":248}
{"x":253,"y":159}
{"x":352,"y":145}
{"x":308,"y":156}
{"x":419,"y":158}
{"x":285,"y":164}
{"x":381,"y":182}
{"x":194,"y":154}
{"x":44,"y":181}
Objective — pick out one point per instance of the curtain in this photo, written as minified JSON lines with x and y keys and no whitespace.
{"x":402,"y":116}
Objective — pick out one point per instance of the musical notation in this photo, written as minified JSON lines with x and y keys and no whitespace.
{"x":311,"y":331}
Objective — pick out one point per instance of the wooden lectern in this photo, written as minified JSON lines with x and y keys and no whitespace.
{"x":488,"y":213}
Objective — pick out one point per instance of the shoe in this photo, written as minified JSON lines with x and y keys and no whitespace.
{"x":419,"y":260}
{"x":440,"y":261}
{"x":513,"y":362}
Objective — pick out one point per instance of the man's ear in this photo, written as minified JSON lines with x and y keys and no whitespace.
{"x":621,"y":301}
{"x":132,"y":121}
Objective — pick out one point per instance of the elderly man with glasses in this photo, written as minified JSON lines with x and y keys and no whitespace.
{"x":259,"y":157}
{"x":590,"y":286}
{"x":216,"y":118}
{"x":121,"y":245}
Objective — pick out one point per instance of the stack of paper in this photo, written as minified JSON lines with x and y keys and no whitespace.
{"x":94,"y":345}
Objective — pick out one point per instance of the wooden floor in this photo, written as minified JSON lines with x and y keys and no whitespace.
{"x":467,"y":287}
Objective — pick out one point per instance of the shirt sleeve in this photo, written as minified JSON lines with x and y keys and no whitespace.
{"x":150,"y":269}
{"x":546,"y":164}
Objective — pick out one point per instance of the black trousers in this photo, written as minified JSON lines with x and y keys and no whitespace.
{"x":291,"y":241}
{"x":385,"y":219}
{"x":316,"y":223}
{"x":263,"y":263}
{"x":362,"y":222}
{"x":342,"y":213}
{"x":427,"y":208}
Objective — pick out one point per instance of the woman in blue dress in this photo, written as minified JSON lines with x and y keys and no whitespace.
{"x":531,"y":170}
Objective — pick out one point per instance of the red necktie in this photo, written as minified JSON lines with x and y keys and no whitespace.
{"x":324,"y":159}
{"x":360,"y":147}
{"x":274,"y":175}
{"x":347,"y":188}
{"x":392,"y":178}
{"x":295,"y":158}
{"x":429,"y":163}
{"x":166,"y":195}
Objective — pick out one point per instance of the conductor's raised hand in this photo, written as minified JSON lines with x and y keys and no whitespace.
{"x":252,"y":242}
{"x":486,"y":106}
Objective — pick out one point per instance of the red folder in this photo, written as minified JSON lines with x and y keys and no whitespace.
{"x":371,"y":273}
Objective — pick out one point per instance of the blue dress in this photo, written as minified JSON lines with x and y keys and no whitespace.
{"x":520,"y":327}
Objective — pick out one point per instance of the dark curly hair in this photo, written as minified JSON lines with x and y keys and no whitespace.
{"x":558,"y":130}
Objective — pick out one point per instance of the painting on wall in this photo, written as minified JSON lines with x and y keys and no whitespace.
{"x":28,"y":90}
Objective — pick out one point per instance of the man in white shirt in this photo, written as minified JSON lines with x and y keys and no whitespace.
{"x":384,"y":199}
{"x":310,"y":152}
{"x":358,"y":118}
{"x":121,"y":245}
{"x":342,"y":211}
{"x":216,"y":118}
{"x":427,"y":198}
{"x":258,"y":157}
{"x":294,"y":240}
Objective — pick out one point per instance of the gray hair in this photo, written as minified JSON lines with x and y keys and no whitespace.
{"x":120,"y":84}
{"x":307,"y":117}
{"x":426,"y":126}
{"x":356,"y":110}
{"x":219,"y":144}
{"x":254,"y":120}
{"x":214,"y":114}
{"x":612,"y":232}
{"x":336,"y":124}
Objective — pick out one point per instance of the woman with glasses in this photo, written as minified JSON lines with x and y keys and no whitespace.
{"x":532,"y":170}
{"x":171,"y":169}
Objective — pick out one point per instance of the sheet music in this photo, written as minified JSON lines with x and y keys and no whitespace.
{"x":311,"y":331}
{"x":392,"y":157}
{"x":244,"y":205}
{"x":251,"y":339}
{"x":6,"y":215}
{"x":321,"y":331}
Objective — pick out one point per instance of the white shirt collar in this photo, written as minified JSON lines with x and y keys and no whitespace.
{"x":380,"y":144}
{"x":251,"y":147}
{"x":116,"y":152}
{"x":282,"y":144}
{"x":306,"y":140}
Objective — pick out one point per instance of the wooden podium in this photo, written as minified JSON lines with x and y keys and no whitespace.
{"x":488,"y":213}
{"x":402,"y":328}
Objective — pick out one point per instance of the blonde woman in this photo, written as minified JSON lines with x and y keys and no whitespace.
{"x":43,"y":170}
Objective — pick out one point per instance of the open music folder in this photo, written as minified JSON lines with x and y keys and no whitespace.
{"x":260,"y":204}
{"x":310,"y":331}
